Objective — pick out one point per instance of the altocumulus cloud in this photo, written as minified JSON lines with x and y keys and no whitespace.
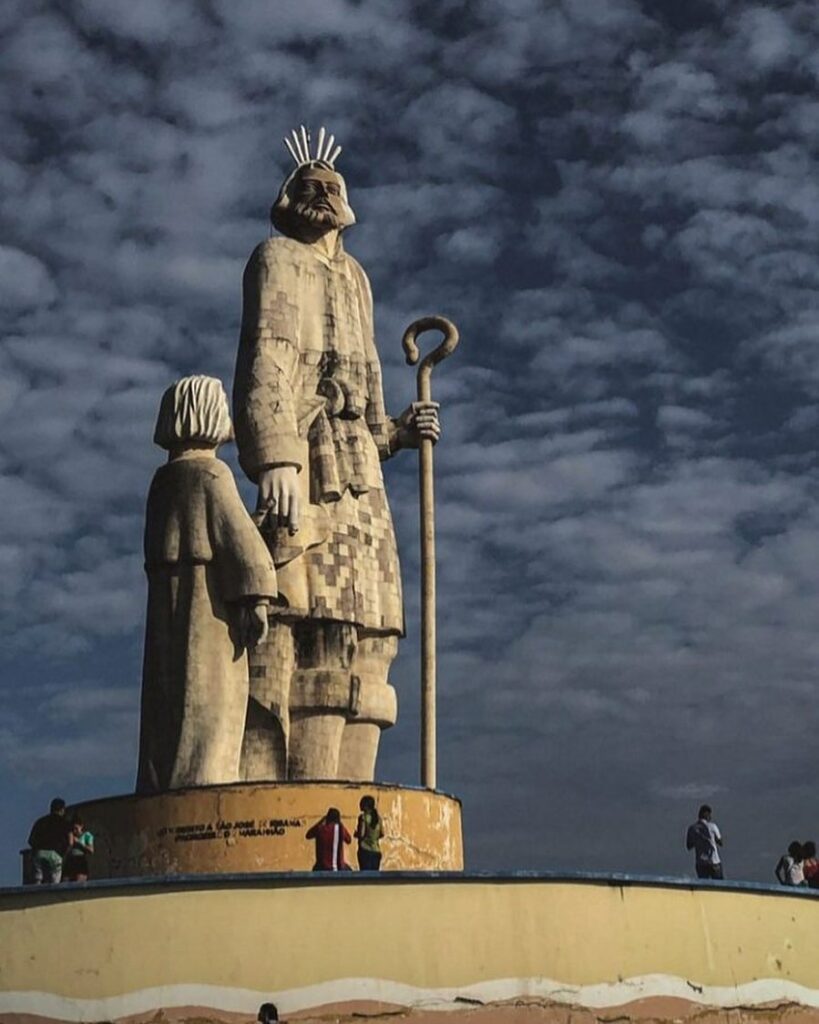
{"x":617,"y":202}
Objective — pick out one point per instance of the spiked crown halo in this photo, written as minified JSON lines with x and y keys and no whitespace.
{"x":298,"y":145}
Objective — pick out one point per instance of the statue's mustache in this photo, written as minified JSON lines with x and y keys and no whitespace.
{"x":317,"y":214}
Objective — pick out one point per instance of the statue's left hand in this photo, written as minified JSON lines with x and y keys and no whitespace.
{"x":279,"y":494}
{"x":252,"y":623}
{"x":418,"y":422}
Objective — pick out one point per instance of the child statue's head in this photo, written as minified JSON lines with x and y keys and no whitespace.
{"x":193,"y":412}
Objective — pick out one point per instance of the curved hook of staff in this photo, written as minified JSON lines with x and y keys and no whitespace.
{"x":429,"y":323}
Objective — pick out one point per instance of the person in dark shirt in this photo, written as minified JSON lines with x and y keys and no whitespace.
{"x":49,"y":840}
{"x":705,"y":839}
{"x":330,"y":836}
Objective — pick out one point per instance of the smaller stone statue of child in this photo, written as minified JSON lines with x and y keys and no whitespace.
{"x":210,"y":579}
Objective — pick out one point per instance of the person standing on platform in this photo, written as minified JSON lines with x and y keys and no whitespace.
{"x":705,"y":839}
{"x":75,"y":863}
{"x":369,"y":832}
{"x":50,"y":839}
{"x":330,"y":836}
{"x":810,"y":865}
{"x":789,"y":870}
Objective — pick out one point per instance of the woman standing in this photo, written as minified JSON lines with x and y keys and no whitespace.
{"x":369,"y":832}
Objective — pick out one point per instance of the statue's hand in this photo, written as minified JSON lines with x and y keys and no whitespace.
{"x":279,"y":496}
{"x":416,"y":423}
{"x":252,"y":623}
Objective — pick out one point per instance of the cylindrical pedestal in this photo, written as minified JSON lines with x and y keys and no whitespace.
{"x":260,"y":827}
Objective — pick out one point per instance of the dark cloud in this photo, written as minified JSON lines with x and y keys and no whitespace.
{"x":617,"y":203}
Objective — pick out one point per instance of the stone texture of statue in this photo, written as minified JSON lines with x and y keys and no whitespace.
{"x":210,"y":577}
{"x":312,"y":430}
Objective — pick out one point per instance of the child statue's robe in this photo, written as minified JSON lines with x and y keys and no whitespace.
{"x":203,"y":555}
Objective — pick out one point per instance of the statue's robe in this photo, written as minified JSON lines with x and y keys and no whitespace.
{"x":308,"y":392}
{"x":203,"y":554}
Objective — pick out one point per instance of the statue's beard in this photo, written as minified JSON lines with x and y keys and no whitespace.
{"x":317,"y":217}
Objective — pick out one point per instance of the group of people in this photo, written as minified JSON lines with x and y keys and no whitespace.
{"x":60,"y":847}
{"x":330,"y":837}
{"x":799,"y":866}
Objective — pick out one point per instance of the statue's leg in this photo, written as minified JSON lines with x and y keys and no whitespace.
{"x":320,"y":696}
{"x":373,"y":707}
{"x":264,"y":747}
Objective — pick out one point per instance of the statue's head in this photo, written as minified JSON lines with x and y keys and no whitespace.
{"x":193,"y":412}
{"x":313,"y":199}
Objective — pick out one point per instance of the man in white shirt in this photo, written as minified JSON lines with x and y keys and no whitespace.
{"x":705,"y":839}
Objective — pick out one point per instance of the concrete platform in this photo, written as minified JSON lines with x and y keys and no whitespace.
{"x":261,"y":826}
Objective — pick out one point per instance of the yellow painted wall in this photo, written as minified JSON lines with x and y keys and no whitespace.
{"x":231,"y":946}
{"x":260,"y":827}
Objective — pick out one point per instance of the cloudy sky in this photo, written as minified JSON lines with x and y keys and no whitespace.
{"x":618,"y":202}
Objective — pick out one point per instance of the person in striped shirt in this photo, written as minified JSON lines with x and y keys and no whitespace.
{"x":330,"y":836}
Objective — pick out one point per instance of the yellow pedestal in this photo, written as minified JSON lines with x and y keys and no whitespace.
{"x":261,"y":826}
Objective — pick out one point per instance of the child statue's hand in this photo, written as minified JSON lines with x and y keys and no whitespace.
{"x":252,"y":624}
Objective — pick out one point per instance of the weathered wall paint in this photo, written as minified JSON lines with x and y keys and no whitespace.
{"x":216,"y":947}
{"x":242,"y":828}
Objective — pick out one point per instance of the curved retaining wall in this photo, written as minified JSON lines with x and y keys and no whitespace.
{"x":217,"y":947}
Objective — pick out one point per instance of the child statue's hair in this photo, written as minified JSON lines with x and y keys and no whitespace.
{"x":193,"y":410}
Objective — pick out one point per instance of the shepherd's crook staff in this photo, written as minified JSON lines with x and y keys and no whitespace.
{"x":428,"y":719}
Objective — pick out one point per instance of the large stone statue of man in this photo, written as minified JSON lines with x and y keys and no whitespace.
{"x":312,"y":430}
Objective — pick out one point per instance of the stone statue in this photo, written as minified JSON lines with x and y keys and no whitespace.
{"x":210,"y":578}
{"x":312,"y":430}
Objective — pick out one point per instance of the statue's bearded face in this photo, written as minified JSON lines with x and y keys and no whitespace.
{"x":317,"y":197}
